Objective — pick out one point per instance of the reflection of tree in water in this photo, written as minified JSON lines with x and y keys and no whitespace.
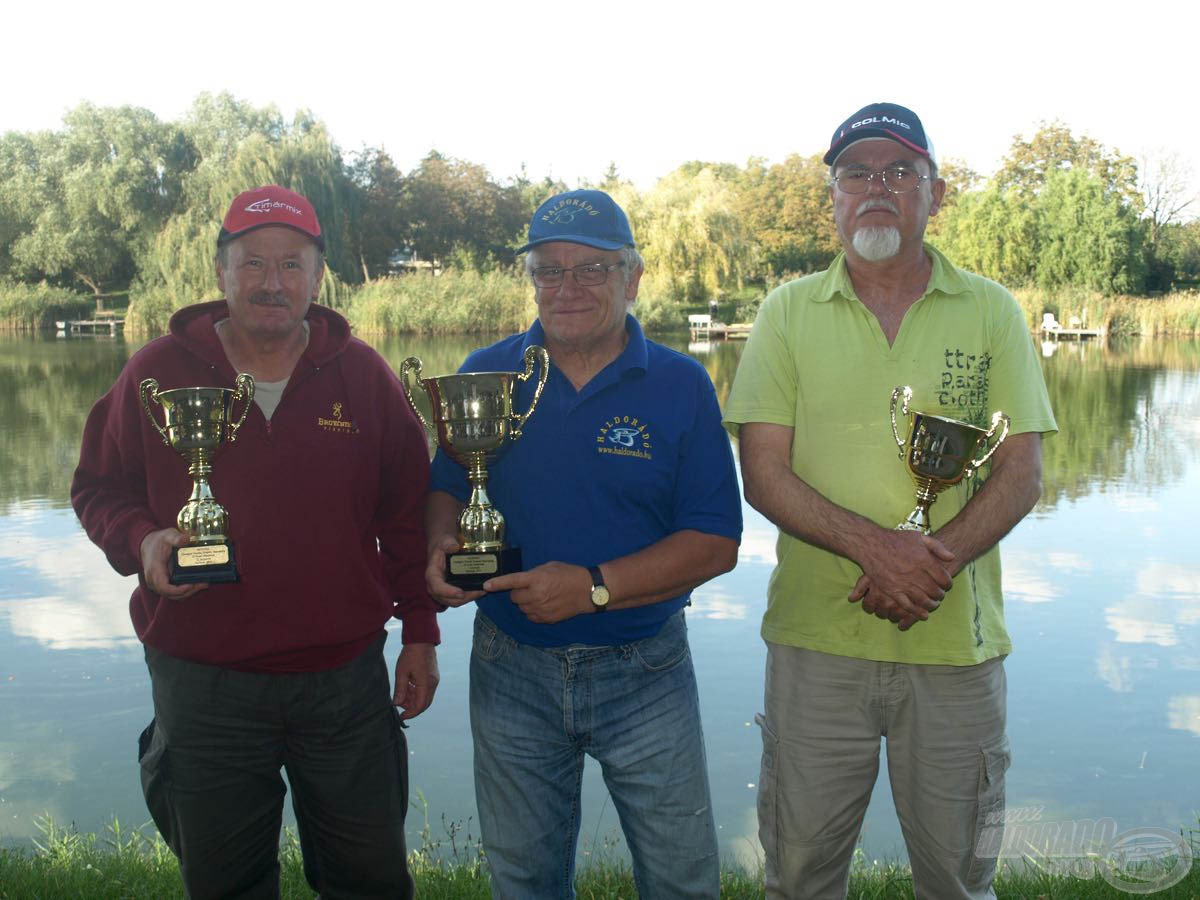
{"x":1119,"y":410}
{"x":1122,"y":411}
{"x":46,"y":390}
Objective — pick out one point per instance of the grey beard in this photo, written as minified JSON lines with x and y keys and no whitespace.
{"x":876,"y":243}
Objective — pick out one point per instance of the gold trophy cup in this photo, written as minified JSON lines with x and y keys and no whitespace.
{"x":473,"y":421}
{"x":197,"y":423}
{"x":940,"y":452}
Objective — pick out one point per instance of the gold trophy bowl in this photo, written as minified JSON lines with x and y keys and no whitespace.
{"x":473,"y":421}
{"x":939,"y":453}
{"x":198,"y":420}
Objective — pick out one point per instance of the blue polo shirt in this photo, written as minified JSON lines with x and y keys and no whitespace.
{"x":600,"y":473}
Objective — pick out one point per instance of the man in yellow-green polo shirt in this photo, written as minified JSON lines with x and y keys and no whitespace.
{"x":924,"y":666}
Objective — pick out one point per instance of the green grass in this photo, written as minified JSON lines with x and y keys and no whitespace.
{"x":132,"y":864}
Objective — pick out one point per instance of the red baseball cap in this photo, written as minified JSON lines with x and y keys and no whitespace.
{"x":270,"y":205}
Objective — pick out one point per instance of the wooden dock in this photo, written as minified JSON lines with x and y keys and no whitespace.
{"x":1054,"y":330}
{"x":1078,"y":334}
{"x":703,"y":328}
{"x":111,"y":326}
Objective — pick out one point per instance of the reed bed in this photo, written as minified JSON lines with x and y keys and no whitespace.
{"x":35,"y":307}
{"x":455,"y":302}
{"x":1176,"y":314}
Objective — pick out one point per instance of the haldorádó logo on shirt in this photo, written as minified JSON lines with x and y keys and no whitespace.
{"x":624,"y":436}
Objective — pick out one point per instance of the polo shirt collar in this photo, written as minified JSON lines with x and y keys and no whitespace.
{"x":945,"y":278}
{"x":635,"y":355}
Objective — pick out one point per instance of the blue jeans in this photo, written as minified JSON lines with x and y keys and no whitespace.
{"x":536,"y":711}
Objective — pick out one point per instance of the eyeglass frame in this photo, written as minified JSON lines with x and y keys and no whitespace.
{"x":882,"y":173}
{"x":572,"y":269}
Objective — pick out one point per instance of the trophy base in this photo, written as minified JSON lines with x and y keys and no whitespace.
{"x":203,"y":564}
{"x":468,"y":569}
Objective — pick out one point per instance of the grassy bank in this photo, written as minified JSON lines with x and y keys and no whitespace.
{"x":127,"y":864}
{"x":1176,"y":314}
{"x":36,"y":307}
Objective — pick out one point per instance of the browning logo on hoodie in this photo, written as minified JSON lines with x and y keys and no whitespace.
{"x":337,"y":423}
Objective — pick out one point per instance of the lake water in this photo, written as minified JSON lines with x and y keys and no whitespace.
{"x":1103,"y":603}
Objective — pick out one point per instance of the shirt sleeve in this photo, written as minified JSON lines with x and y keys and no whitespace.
{"x":1016,"y":383}
{"x":400,"y":518}
{"x":707,"y":497}
{"x":764,"y":388}
{"x":108,"y":490}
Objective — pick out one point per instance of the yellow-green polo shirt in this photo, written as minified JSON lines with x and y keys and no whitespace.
{"x":817,"y":361}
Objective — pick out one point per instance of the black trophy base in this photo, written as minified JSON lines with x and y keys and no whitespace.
{"x":203,"y":564}
{"x":470,"y":569}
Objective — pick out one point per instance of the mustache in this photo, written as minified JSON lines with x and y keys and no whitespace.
{"x":876,"y":203}
{"x":269,"y":298}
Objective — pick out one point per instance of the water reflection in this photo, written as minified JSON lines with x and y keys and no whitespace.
{"x":57,"y":589}
{"x":1102,"y":583}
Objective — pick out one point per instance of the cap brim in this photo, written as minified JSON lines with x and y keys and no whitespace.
{"x":224,"y":237}
{"x":879,"y":134}
{"x":586,"y":240}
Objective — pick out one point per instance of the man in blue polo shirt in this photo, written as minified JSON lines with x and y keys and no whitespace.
{"x":622,"y":497}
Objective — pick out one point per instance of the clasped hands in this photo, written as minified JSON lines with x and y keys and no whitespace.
{"x":551,"y":592}
{"x":905,"y":576}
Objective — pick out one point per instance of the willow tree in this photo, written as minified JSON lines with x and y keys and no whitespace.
{"x":86,"y":201}
{"x":1088,"y":236}
{"x":695,"y":244}
{"x":238,"y":147}
{"x":1063,"y":211}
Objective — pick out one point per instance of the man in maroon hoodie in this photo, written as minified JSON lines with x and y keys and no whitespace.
{"x":284,"y":669}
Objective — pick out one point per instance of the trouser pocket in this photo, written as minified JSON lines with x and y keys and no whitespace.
{"x":154,"y":763}
{"x":993,"y":764}
{"x":768,"y":793}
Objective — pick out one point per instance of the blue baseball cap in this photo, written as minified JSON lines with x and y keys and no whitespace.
{"x":881,"y":120}
{"x":591,"y":218}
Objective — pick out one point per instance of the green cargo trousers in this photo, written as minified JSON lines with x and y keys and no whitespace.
{"x":211,"y":761}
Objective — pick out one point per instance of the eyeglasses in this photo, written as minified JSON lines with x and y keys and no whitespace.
{"x":897,"y":179}
{"x":587,"y":276}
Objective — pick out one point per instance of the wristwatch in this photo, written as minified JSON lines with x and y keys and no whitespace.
{"x":599,"y":591}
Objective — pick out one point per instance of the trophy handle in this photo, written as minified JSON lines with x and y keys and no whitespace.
{"x":898,"y":392}
{"x":1001,"y":421}
{"x":532,"y":354}
{"x":409,"y":365}
{"x":148,"y":390}
{"x":245,"y":387}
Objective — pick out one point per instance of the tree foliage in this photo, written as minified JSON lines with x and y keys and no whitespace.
{"x":693,"y":241}
{"x":1063,"y":211}
{"x":1054,"y":147}
{"x":787,"y":208}
{"x":453,"y":209}
{"x":117,"y":198}
{"x":87,"y":201}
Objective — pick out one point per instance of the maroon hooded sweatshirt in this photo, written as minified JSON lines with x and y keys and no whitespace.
{"x":326,"y":502}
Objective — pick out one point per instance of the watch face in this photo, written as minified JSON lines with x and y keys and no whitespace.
{"x":600,"y":595}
